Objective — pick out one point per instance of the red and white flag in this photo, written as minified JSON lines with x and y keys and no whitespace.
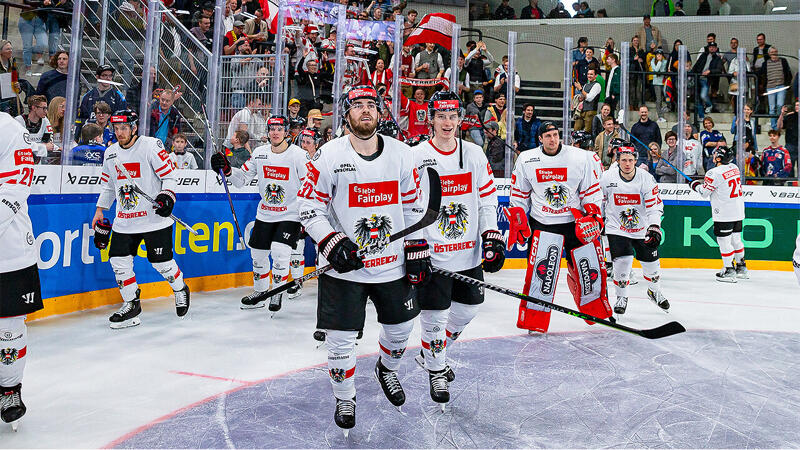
{"x":434,"y":28}
{"x":270,"y":14}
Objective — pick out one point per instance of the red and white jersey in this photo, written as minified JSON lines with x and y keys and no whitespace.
{"x":280,"y":176}
{"x":469,"y":203}
{"x":629,"y":207}
{"x":366,"y":200}
{"x":723,"y":184}
{"x":548,"y":187}
{"x":151,"y":169}
{"x":16,"y":175}
{"x":417,"y":119}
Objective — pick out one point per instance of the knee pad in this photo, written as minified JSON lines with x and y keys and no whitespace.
{"x":171,"y":272}
{"x":460,"y":316}
{"x":342,"y":362}
{"x":13,"y":348}
{"x":392,"y":341}
{"x":281,"y":254}
{"x":126,"y":279}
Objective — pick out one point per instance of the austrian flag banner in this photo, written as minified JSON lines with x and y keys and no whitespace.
{"x":436,"y":28}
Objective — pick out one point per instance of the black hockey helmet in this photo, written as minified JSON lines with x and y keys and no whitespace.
{"x":124,"y":116}
{"x":724,"y":153}
{"x":358,"y":93}
{"x":104,"y":68}
{"x":582,"y":139}
{"x":416,"y":140}
{"x":387,"y":127}
{"x":623,"y":148}
{"x":546,"y":127}
{"x":616,"y":142}
{"x":308,"y":133}
{"x":444,"y":101}
{"x":278,"y":120}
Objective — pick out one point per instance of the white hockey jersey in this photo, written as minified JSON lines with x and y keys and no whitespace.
{"x":629,"y":207}
{"x":692,"y":156}
{"x":548,"y":187}
{"x":38,"y":135}
{"x":151,"y":168}
{"x":469,"y":204}
{"x":16,"y":175}
{"x":183,"y":161}
{"x":723,"y":184}
{"x":366,"y":200}
{"x":279,"y":178}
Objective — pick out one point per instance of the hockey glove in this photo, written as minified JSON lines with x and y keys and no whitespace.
{"x":518,"y":229}
{"x":102,"y":233}
{"x":165,"y":201}
{"x":494,"y":251}
{"x":695,"y":184}
{"x":589,"y":223}
{"x":341,"y":252}
{"x":220,"y":162}
{"x":418,"y":262}
{"x":652,"y":239}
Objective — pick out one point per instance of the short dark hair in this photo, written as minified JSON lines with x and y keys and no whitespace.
{"x":90,"y":131}
{"x":714,"y":35}
{"x":583,"y":39}
{"x":34,"y":99}
{"x":761,"y":34}
{"x":410,"y":11}
{"x":242,"y":135}
{"x":670,"y":134}
{"x":525,"y":106}
{"x":102,"y":107}
{"x":774,"y":133}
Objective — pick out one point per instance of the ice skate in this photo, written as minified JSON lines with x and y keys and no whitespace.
{"x":254,"y":300}
{"x":182,"y":301}
{"x":621,"y":305}
{"x":440,"y":391}
{"x":275,"y":303}
{"x":727,"y":275}
{"x":448,"y":372}
{"x":128,"y":314}
{"x":658,"y":298}
{"x":741,"y":270}
{"x":345,"y":415}
{"x":11,"y":406}
{"x":294,"y":292}
{"x":390,"y":385}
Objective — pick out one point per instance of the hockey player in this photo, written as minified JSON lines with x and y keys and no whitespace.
{"x":279,"y":168}
{"x":297,"y":262}
{"x":20,"y":292}
{"x":723,"y":185}
{"x":555,"y":203}
{"x":632,"y":210}
{"x":464,"y":234}
{"x":361,"y":188}
{"x":147,"y":163}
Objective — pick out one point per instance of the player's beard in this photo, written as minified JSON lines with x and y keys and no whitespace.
{"x":129,"y":142}
{"x":364,"y":130}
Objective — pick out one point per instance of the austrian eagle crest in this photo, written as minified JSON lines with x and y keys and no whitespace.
{"x":629,"y":218}
{"x":275,"y":194}
{"x":8,"y":355}
{"x":128,"y":198}
{"x":337,"y":374}
{"x":556,"y":196}
{"x":452,"y":220}
{"x":371,"y":232}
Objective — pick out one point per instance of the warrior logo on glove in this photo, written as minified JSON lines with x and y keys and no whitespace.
{"x":275,"y":194}
{"x":128,"y":199}
{"x":556,"y":196}
{"x":629,"y":218}
{"x":370,"y":231}
{"x":453,"y":219}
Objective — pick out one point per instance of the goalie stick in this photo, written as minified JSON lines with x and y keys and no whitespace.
{"x":665,"y":330}
{"x":138,"y":190}
{"x":224,"y":181}
{"x":431,"y":213}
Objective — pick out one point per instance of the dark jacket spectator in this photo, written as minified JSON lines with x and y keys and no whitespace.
{"x":53,"y":83}
{"x":704,"y":8}
{"x":787,"y":72}
{"x":504,"y":11}
{"x":586,"y":63}
{"x":112,"y":96}
{"x":310,"y":84}
{"x":525,"y":133}
{"x":646,"y":131}
{"x":532,"y":11}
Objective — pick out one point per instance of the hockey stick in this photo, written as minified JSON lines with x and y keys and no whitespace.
{"x":665,"y":330}
{"x":431,"y":213}
{"x":121,"y":168}
{"x":224,"y":180}
{"x":645,"y":146}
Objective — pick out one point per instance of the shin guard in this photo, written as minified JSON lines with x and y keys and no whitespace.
{"x":392,"y":342}
{"x":260,"y":269}
{"x":297,"y":261}
{"x":13,"y":347}
{"x":126,"y":279}
{"x":544,"y":264}
{"x":587,"y":280}
{"x":342,"y":362}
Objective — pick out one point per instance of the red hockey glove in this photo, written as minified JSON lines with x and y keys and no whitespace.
{"x":518,"y":229}
{"x":418,"y":262}
{"x":102,"y":233}
{"x":589,"y":223}
{"x":653,"y":237}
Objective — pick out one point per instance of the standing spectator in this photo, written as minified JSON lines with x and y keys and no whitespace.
{"x":32,"y":26}
{"x":710,"y":139}
{"x":477,"y":61}
{"x":769,"y":5}
{"x":733,"y":73}
{"x":52,"y":23}
{"x":532,"y":11}
{"x":637,"y":69}
{"x":477,"y":109}
{"x":247,"y":119}
{"x":710,"y":66}
{"x":309,"y":85}
{"x":203,"y":32}
{"x":724,"y":8}
{"x":258,"y":30}
{"x":659,"y":64}
{"x":53,"y":83}
{"x":688,"y":120}
{"x":239,"y":151}
{"x":703,"y":8}
{"x":39,"y":129}
{"x":579,"y":52}
{"x":775,"y":160}
{"x":760,"y":54}
{"x":406,"y":68}
{"x":645,"y":130}
{"x":777,"y":74}
{"x":613,"y":82}
{"x":497,"y":113}
{"x":8,"y":64}
{"x":102,"y":114}
{"x":90,"y":150}
{"x":653,"y":159}
{"x":179,"y":156}
{"x":526,"y":129}
{"x":418,"y":114}
{"x":602,"y":143}
{"x":649,"y":33}
{"x":674,"y":56}
{"x":105,"y":92}
{"x":589,"y":93}
{"x":609,"y":49}
{"x":495,"y":149}
{"x":504,"y":11}
{"x":692,"y":152}
{"x":730,"y":55}
{"x":461,"y":75}
{"x":428,"y":64}
{"x":788,"y":121}
{"x":381,"y":75}
{"x":588,"y":62}
{"x":500,"y":81}
{"x":597,"y":122}
{"x":750,"y":144}
{"x":410,"y":23}
{"x":679,"y":12}
{"x":165,"y":119}
{"x":665,"y":172}
{"x":129,"y":23}
{"x":207,"y":10}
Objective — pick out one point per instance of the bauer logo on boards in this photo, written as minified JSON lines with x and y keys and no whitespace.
{"x":365,"y":195}
{"x":626,"y":199}
{"x":551,"y":174}
{"x":457,"y":184}
{"x":276,"y":173}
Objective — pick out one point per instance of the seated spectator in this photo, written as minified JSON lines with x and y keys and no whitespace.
{"x":91,"y":149}
{"x":653,"y":159}
{"x":477,"y":109}
{"x":180,"y":157}
{"x":504,"y":11}
{"x":710,"y":139}
{"x":294,"y":111}
{"x":584,"y":10}
{"x":203,"y":32}
{"x":102,"y":112}
{"x":239,"y":151}
{"x":532,"y":11}
{"x":102,"y":92}
{"x":688,"y":120}
{"x":234,"y":38}
{"x":526,"y":129}
{"x":777,"y":74}
{"x":645,"y":130}
{"x":39,"y":129}
{"x":314,"y":122}
{"x":692,"y":152}
{"x":327,"y":134}
{"x":750,"y":143}
{"x":775,"y":160}
{"x":558,"y":12}
{"x":602,"y":143}
{"x":601,"y":13}
{"x":165,"y":119}
{"x":788,"y":121}
{"x":257,"y":29}
{"x":495,"y":149}
{"x":666,"y":172}
{"x":597,"y":121}
{"x":55,"y":115}
{"x":710,"y":66}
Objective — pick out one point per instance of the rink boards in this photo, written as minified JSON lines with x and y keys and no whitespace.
{"x":76,"y":276}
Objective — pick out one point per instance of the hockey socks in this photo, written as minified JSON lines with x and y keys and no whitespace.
{"x":342,"y":362}
{"x":126,"y":279}
{"x":392,"y":342}
{"x":170,"y":271}
{"x":434,"y":339}
{"x":622,"y":271}
{"x":15,"y":346}
{"x":297,"y":261}
{"x":260,"y":269}
{"x":726,"y":250}
{"x":738,"y":247}
{"x":460,"y":316}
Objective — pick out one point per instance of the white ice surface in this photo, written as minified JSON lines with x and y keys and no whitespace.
{"x":86,"y":385}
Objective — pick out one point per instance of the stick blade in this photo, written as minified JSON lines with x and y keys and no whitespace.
{"x":668,"y":329}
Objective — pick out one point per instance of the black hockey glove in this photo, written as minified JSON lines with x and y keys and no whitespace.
{"x":341,"y":252}
{"x":695,"y":184}
{"x":653,"y":237}
{"x":102,"y":233}
{"x":494,"y":251}
{"x":165,"y":201}
{"x":418,"y":262}
{"x":220,"y":162}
